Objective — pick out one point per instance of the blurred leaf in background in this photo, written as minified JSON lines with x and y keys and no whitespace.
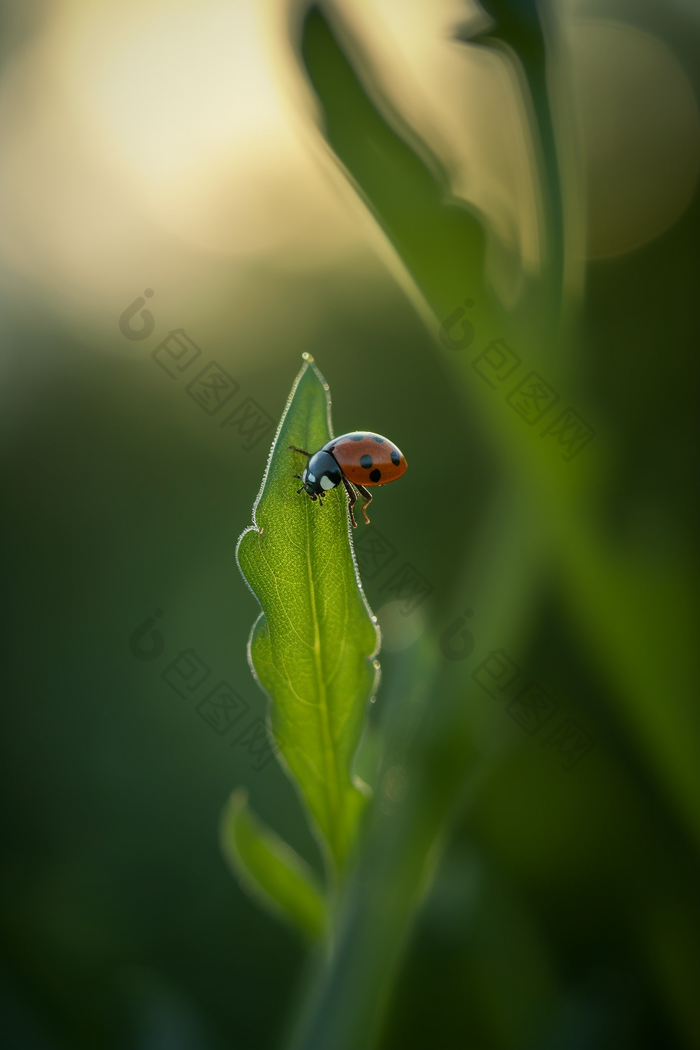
{"x":344,"y":192}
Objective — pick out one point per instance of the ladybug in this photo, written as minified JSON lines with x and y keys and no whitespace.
{"x":356,"y":460}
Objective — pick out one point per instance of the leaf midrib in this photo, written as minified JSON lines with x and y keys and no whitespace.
{"x":328,"y":750}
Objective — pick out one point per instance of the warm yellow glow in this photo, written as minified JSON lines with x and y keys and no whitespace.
{"x":148,"y":135}
{"x":180,"y":99}
{"x":132,"y":128}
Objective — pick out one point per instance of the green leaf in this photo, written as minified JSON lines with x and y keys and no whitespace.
{"x":441,"y":245}
{"x":313,"y":646}
{"x":270,"y":869}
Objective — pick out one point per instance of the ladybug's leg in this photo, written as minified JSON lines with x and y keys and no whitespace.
{"x":352,"y":500}
{"x":367,"y":496}
{"x":295,"y":449}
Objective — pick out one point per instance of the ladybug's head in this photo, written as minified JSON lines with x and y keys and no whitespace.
{"x":321,"y":474}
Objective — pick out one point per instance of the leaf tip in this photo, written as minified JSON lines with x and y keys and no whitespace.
{"x":237,"y":800}
{"x":269,"y":869}
{"x":362,"y":786}
{"x":307,"y":357}
{"x":238,"y":797}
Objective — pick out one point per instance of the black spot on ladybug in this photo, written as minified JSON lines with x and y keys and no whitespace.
{"x":395,"y":457}
{"x":356,"y":437}
{"x":375,"y":475}
{"x":377,"y":438}
{"x":366,"y":462}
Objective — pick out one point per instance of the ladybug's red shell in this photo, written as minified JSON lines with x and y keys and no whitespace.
{"x":366,"y":458}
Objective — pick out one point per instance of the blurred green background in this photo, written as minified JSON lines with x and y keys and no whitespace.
{"x":179,"y":147}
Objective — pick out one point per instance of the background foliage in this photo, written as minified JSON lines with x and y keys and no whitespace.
{"x":560,"y":907}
